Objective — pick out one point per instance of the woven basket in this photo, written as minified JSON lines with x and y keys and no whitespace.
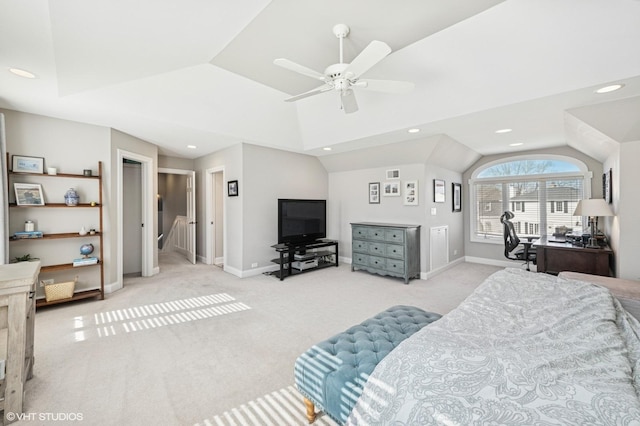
{"x":59,"y":291}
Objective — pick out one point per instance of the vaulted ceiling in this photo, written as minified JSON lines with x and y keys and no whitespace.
{"x":201,"y":72}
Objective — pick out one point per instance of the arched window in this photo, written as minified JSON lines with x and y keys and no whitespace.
{"x":541,"y":191}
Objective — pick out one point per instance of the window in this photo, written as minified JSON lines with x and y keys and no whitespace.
{"x":541,"y":191}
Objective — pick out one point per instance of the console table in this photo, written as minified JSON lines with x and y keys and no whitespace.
{"x":17,"y":313}
{"x":554,"y":258}
{"x":308,"y":252}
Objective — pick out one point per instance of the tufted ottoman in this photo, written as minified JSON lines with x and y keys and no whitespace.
{"x":332,"y":373}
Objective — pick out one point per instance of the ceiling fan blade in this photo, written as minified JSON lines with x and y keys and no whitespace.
{"x":388,"y":86}
{"x":348,"y":100}
{"x":317,"y":90}
{"x":300,"y":69}
{"x":371,"y":55}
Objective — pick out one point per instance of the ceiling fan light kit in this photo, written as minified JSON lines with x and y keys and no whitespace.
{"x":342,"y":77}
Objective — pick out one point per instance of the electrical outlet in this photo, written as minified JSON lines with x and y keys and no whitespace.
{"x":254,"y":265}
{"x":45,"y":282}
{"x":455,"y":252}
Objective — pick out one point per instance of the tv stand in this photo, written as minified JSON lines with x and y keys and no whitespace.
{"x":310,"y":258}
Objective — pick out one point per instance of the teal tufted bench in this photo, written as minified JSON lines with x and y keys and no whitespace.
{"x":332,"y":373}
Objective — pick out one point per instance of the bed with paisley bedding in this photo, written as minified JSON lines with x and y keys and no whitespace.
{"x":522,"y":349}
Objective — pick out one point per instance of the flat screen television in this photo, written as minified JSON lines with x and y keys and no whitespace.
{"x":301,"y":221}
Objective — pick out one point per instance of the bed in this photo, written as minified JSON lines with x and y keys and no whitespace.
{"x":522,"y":349}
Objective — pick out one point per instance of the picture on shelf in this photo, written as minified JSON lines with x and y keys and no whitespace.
{"x":23,"y":164}
{"x":28,"y":194}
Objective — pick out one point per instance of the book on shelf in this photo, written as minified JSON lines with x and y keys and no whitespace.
{"x":28,"y":234}
{"x":85,"y":261}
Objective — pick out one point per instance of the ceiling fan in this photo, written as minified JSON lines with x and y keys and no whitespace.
{"x":343,"y":77}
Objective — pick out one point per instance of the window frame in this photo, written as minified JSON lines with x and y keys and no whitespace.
{"x":583,"y":173}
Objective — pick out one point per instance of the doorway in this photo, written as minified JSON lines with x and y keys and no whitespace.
{"x":132,"y":221}
{"x":215,"y":225}
{"x":177,"y":212}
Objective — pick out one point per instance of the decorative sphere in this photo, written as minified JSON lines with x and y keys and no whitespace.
{"x":86,"y":249}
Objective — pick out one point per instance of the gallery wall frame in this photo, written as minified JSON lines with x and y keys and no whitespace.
{"x":456,"y":197}
{"x":374,"y":192}
{"x":391,"y":189}
{"x":232,"y":188}
{"x":410,"y":192}
{"x":607,"y":186}
{"x":438,"y":191}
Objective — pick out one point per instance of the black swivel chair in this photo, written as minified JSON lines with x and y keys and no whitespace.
{"x":511,"y":242}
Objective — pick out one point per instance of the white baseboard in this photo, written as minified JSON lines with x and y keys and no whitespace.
{"x":110,"y":288}
{"x":218,"y":261}
{"x":501,"y":263}
{"x":431,"y":274}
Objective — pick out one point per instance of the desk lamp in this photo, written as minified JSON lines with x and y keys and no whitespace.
{"x":593,"y":208}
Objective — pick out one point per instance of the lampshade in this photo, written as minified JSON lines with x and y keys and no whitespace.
{"x":593,"y":207}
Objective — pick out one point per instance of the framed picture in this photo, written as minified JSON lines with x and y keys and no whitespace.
{"x":391,"y":189}
{"x":29,"y":194}
{"x":410,"y":192}
{"x":22,"y":164}
{"x":456,"y":190}
{"x":606,"y":186}
{"x":438,"y":191}
{"x":393,"y":174}
{"x":374,"y":193}
{"x":232,"y":188}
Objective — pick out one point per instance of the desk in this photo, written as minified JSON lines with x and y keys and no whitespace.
{"x":554,"y":258}
{"x":17,"y":311}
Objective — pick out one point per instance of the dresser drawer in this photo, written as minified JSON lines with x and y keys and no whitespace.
{"x":360,"y":246}
{"x":394,"y":236}
{"x":395,"y":266}
{"x":376,"y":234}
{"x":360,"y":259}
{"x":394,"y":250}
{"x":377,"y":262}
{"x":377,"y":249}
{"x":360,"y":233}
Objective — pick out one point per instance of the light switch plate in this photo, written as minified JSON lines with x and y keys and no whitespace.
{"x":433,"y":211}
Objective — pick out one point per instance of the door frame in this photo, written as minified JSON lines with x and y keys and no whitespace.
{"x":192,"y":174}
{"x":147,"y":213}
{"x":210,"y":198}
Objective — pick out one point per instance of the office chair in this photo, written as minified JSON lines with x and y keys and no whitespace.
{"x":511,"y":242}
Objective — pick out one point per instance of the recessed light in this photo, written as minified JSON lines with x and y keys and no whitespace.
{"x":327,"y":148}
{"x":191,"y":146}
{"x":414,"y":130}
{"x":22,"y":73}
{"x":611,"y":88}
{"x":516,"y":144}
{"x":504,"y":130}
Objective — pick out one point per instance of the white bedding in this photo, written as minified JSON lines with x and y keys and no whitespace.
{"x":522,"y":349}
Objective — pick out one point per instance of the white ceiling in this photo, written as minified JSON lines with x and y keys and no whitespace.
{"x":202,"y":73}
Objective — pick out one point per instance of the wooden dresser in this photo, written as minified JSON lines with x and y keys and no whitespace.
{"x":17,"y":314}
{"x":386,"y":249}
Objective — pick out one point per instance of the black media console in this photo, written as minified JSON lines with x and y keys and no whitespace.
{"x":303,"y":257}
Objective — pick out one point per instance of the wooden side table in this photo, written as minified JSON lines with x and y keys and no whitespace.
{"x":17,"y":314}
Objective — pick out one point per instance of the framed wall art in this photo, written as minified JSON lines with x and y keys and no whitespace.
{"x":456,"y":198}
{"x":232,"y":188}
{"x":438,"y":191}
{"x":410,"y":192}
{"x":23,"y":164}
{"x":374,"y":193}
{"x":606,"y":186}
{"x":391,"y":189}
{"x":28,"y":194}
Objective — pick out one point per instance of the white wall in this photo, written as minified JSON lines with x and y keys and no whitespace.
{"x":624,"y":228}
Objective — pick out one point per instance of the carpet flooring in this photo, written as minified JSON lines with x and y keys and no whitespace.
{"x":194,"y":345}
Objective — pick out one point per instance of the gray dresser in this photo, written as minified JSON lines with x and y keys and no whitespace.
{"x":386,"y":249}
